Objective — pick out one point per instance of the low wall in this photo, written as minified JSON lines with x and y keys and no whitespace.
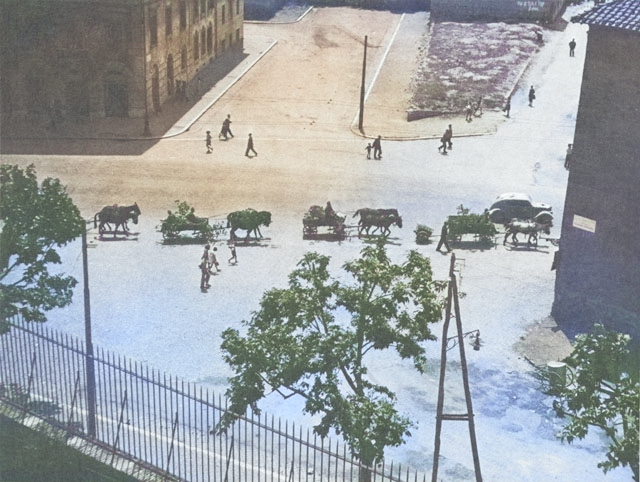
{"x":495,"y":10}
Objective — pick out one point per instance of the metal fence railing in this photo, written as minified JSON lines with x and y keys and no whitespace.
{"x":162,"y":422}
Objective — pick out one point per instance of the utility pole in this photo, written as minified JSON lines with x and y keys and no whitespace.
{"x":452,"y":298}
{"x":362,"y":87}
{"x":90,"y":368}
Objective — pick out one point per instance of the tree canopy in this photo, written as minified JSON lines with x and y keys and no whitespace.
{"x":312,"y":339}
{"x":35,"y":220}
{"x":604,"y":393}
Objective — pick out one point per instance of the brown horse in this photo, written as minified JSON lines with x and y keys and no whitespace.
{"x":381,"y":219}
{"x":118,"y":216}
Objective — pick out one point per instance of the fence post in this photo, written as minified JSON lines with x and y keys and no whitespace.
{"x":120,"y":419}
{"x":31,"y":370}
{"x":226,"y":472}
{"x":173,"y":435}
{"x":73,"y":401}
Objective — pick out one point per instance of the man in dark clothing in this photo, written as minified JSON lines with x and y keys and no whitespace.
{"x":208,"y":142}
{"x":250,"y":147}
{"x":532,"y":96}
{"x":226,"y":128}
{"x":377,"y":148}
{"x":507,"y":106}
{"x":449,"y":135}
{"x":444,"y":232}
{"x":572,"y":48}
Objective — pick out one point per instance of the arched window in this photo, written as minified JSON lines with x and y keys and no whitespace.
{"x":203,"y":41}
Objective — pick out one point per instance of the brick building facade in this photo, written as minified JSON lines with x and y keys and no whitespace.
{"x":109,"y":58}
{"x":598,"y":273}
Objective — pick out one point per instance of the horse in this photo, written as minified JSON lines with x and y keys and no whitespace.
{"x":249,"y":220}
{"x":116,"y":215}
{"x":532,"y":228}
{"x":379,"y":218}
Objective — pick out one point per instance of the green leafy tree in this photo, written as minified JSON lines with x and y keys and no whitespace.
{"x":604,"y":393}
{"x":312,"y":339}
{"x":35,"y":220}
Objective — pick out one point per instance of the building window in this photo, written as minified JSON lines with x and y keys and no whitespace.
{"x":153,"y":28}
{"x":170,"y":75}
{"x":203,"y":41}
{"x":223,"y":46}
{"x":237,"y":35}
{"x":183,"y":15}
{"x":211,"y":5}
{"x":237,"y":7}
{"x":183,"y":58}
{"x":209,"y":39}
{"x":196,"y":46}
{"x":168,"y":20}
{"x":203,"y":8}
{"x":194,"y":5}
{"x":222,"y":14}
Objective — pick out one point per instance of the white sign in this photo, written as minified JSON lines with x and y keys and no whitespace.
{"x":583,"y":223}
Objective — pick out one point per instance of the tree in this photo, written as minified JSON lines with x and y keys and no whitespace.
{"x":312,"y":338}
{"x":35,"y":220}
{"x":604,"y":394}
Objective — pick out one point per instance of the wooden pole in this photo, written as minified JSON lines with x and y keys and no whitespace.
{"x":362,"y":88}
{"x":452,"y":301}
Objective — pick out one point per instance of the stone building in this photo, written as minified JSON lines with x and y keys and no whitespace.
{"x":109,"y":58}
{"x":598,"y":269}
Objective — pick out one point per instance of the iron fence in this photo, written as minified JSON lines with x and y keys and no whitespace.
{"x":162,"y":422}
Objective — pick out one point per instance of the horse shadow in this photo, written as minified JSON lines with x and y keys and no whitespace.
{"x":524,"y":246}
{"x":373,"y":239}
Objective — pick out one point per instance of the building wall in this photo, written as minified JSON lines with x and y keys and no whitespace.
{"x":598,"y":276}
{"x":109,"y":58}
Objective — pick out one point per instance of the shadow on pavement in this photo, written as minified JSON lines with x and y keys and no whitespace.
{"x":39,"y":135}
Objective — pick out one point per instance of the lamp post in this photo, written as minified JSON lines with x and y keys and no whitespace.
{"x":90,"y":368}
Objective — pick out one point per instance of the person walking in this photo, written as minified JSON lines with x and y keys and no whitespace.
{"x":444,"y":232}
{"x":377,"y":147}
{"x":572,"y":48}
{"x":205,"y":272}
{"x":368,"y":149}
{"x":250,"y":147}
{"x":443,"y":143}
{"x":567,"y":159}
{"x":532,"y":96}
{"x":507,"y":106}
{"x":449,"y":135}
{"x":226,"y":128}
{"x":234,"y":258}
{"x":213,"y":260}
{"x":207,"y":141}
{"x":469,"y":113}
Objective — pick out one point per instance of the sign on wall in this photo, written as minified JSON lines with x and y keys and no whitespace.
{"x":583,"y":223}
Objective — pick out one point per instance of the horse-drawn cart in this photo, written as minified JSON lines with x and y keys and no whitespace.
{"x":184,"y":226}
{"x":478,"y":225}
{"x":319,"y":217}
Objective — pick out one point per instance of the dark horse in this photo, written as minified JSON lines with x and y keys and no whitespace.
{"x":249,"y":220}
{"x":118,"y":216}
{"x":379,"y":219}
{"x":532,"y":228}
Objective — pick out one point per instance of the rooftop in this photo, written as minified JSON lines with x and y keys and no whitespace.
{"x":622,"y":14}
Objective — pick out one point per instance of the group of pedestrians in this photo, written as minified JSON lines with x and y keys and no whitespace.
{"x":225,"y":134}
{"x":209,"y":264}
